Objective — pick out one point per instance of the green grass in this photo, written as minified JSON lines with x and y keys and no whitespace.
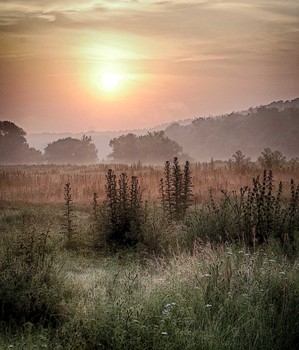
{"x":209,"y":297}
{"x":223,"y":299}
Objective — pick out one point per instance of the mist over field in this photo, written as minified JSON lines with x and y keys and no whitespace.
{"x":275,"y":126}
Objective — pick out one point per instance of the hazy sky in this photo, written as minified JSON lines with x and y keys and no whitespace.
{"x":110,"y":64}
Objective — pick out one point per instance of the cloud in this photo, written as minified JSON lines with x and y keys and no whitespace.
{"x":189,"y":37}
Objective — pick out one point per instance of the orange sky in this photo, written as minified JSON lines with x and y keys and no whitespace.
{"x":175,"y":60}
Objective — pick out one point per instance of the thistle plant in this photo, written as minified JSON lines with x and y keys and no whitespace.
{"x":68,"y":201}
{"x":261,"y":214}
{"x":123,"y":210}
{"x":176,"y":189}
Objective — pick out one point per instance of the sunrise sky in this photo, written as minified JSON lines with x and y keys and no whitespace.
{"x":110,"y":65}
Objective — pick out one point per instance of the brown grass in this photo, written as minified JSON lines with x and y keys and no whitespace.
{"x":45,"y":183}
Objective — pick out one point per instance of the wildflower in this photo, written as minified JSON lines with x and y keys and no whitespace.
{"x":167,"y":308}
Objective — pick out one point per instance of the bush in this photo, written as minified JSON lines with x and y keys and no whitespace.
{"x":119,"y":221}
{"x":253,"y":216}
{"x":30,"y":288}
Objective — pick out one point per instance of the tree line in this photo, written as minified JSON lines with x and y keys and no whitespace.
{"x":152,"y":148}
{"x":251,"y":131}
{"x":14,"y":148}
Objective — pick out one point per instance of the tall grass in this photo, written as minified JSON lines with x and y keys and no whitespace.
{"x":30,"y":287}
{"x":45,"y":183}
{"x":223,"y":276}
{"x":253,"y":216}
{"x":222,"y":298}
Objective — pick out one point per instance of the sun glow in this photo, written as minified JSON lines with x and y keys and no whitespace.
{"x":110,"y":81}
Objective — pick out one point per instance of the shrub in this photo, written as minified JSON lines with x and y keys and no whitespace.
{"x":30,"y":288}
{"x":252,"y":216}
{"x":176,"y":189}
{"x":120,"y":219}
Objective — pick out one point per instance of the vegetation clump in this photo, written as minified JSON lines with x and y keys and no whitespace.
{"x":14,"y":148}
{"x":154,"y":147}
{"x":253,"y":216}
{"x":184,"y":272}
{"x":123,"y":214}
{"x":30,"y":287}
{"x":176,"y":189}
{"x":71,"y":151}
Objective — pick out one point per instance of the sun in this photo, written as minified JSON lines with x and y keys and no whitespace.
{"x":110,"y":81}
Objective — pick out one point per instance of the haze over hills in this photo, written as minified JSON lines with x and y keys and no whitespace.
{"x":275,"y":125}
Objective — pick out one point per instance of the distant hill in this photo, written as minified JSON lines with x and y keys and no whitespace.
{"x":275,"y":125}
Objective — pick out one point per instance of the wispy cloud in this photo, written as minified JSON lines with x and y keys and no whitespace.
{"x":205,"y":45}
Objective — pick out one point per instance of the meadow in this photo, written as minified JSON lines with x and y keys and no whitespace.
{"x":218,"y":273}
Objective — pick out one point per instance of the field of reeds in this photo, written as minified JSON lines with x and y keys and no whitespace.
{"x":45,"y":183}
{"x":92,"y":258}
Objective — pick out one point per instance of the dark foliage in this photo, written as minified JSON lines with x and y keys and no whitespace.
{"x":14,"y":148}
{"x":252,"y":132}
{"x":176,"y":189}
{"x":253,"y":216}
{"x":150,"y":148}
{"x":120,"y":219}
{"x":30,"y":289}
{"x":70,"y":150}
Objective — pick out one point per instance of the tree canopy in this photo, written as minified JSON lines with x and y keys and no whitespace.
{"x":149,"y":148}
{"x":70,"y":150}
{"x":14,"y":147}
{"x":271,"y":159}
{"x":251,"y":131}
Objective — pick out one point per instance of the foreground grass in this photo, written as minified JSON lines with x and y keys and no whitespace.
{"x":221,"y":298}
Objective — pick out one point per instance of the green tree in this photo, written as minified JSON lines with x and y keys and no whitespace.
{"x":125,"y":148}
{"x":14,"y":147}
{"x":71,"y":150}
{"x":150,"y":148}
{"x":271,"y":160}
{"x":239,"y":161}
